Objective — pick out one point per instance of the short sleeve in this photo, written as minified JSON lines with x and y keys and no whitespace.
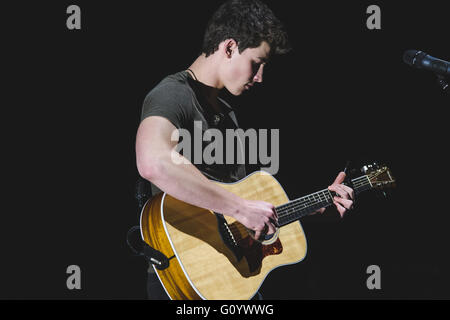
{"x":170,"y":100}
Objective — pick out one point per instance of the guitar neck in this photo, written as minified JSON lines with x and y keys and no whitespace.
{"x":298,"y":208}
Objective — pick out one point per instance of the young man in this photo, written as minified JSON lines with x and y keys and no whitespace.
{"x":239,"y":40}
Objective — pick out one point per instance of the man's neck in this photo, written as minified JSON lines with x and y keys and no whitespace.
{"x":205,"y":70}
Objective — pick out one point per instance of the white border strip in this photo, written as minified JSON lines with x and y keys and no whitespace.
{"x":173,"y":248}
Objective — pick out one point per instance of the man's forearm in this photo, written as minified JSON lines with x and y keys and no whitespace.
{"x":186,"y":183}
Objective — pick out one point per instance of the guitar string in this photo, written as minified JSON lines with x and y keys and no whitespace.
{"x":237,"y":229}
{"x":314,"y":198}
{"x":304,"y":203}
{"x":286,"y":211}
{"x":320,"y":201}
{"x":300,"y":211}
{"x":307,"y":199}
{"x":307,"y":202}
{"x":357,"y":184}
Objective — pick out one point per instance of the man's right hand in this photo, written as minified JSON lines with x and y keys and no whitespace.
{"x":259,"y":216}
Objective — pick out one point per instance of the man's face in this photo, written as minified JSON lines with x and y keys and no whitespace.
{"x":246,"y":68}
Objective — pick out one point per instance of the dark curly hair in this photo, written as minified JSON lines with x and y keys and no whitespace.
{"x":248,"y":22}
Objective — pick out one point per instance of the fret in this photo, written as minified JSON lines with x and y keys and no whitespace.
{"x":361,"y":184}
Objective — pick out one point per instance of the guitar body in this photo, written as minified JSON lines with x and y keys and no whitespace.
{"x":213,"y":256}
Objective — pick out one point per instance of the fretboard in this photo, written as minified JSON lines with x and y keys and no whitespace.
{"x":295,"y":209}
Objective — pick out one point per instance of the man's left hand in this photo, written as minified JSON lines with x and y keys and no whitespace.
{"x":346,"y":194}
{"x":346,"y":198}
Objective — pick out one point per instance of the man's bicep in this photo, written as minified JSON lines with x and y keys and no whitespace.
{"x":155,"y":137}
{"x":156,"y":131}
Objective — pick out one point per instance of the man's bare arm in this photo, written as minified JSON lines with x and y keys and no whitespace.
{"x":182,"y":180}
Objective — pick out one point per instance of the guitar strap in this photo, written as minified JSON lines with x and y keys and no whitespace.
{"x":153,"y":256}
{"x":143,"y":192}
{"x":150,"y":254}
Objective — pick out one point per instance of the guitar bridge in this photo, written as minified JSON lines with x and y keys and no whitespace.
{"x":227,"y":236}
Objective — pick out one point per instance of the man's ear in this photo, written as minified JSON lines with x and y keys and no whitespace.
{"x":230,"y":46}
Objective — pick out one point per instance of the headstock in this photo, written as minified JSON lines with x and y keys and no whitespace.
{"x":380,"y":177}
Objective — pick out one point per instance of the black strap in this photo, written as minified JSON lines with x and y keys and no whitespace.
{"x":153,"y":256}
{"x":142,"y":192}
{"x":158,"y":259}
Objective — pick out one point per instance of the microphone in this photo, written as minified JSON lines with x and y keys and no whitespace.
{"x":422,"y":60}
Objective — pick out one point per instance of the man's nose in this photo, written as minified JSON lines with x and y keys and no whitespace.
{"x":259,"y":75}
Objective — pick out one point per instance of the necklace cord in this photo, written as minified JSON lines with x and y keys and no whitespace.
{"x":195,"y":77}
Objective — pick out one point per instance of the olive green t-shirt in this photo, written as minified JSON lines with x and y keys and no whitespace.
{"x":179,"y":99}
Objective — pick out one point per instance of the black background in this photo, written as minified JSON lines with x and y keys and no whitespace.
{"x":72,"y":107}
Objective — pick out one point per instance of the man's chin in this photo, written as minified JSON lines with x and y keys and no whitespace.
{"x":236,"y":92}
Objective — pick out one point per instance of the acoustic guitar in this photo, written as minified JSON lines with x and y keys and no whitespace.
{"x":212,"y":256}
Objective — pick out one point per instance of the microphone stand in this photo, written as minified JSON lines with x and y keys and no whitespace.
{"x":442,"y":83}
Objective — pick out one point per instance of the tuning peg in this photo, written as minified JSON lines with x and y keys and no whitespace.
{"x":365,"y":169}
{"x":370,"y":167}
